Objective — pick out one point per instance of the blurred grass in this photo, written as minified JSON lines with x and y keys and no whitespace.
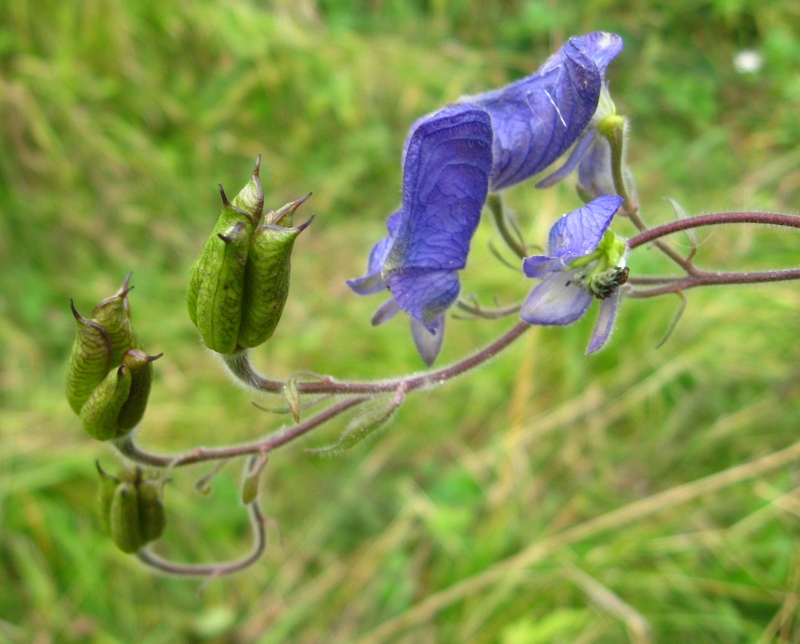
{"x":548,"y":497}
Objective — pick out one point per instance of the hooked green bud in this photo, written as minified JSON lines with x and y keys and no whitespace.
{"x":100,"y":343}
{"x":266,"y":281}
{"x":117,"y":404}
{"x":131,"y":508}
{"x":239,"y":283}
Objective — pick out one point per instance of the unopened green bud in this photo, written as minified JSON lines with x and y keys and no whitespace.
{"x":89,"y":362}
{"x":216,"y":280}
{"x":266,"y":281}
{"x":131,"y":508}
{"x":118,"y":402}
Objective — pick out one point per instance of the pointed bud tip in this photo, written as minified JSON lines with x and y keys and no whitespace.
{"x":290,"y":208}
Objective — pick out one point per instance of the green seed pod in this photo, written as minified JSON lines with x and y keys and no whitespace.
{"x":113,"y":314}
{"x":266,"y":280}
{"x":141,"y":368}
{"x":124,"y":518}
{"x":219,"y":297}
{"x":152,"y":519}
{"x":99,"y":414}
{"x":89,"y":362}
{"x":105,"y":495}
{"x":214,"y":296}
{"x":118,"y":403}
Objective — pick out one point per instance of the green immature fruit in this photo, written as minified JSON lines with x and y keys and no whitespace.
{"x":216,"y":281}
{"x":266,"y":280}
{"x":152,"y":519}
{"x":131,"y":508}
{"x":117,"y":404}
{"x":99,"y":414}
{"x":219,"y":295}
{"x":124,"y":518}
{"x":89,"y":362}
{"x":141,"y":368}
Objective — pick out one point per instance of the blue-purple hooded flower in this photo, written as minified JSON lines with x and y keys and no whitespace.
{"x":536,"y":119}
{"x":567,"y":290}
{"x":447,"y":161}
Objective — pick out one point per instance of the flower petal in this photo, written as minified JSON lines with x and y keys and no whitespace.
{"x":605,"y":322}
{"x":536,"y":119}
{"x":428,"y":342}
{"x":575,"y":157}
{"x":425,"y":295}
{"x":558,"y":300}
{"x":445,"y":181}
{"x":603,"y":47}
{"x":385,"y":313}
{"x":579,"y":232}
{"x":373,"y":281}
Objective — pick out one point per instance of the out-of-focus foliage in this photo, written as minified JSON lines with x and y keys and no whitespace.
{"x":118,"y":120}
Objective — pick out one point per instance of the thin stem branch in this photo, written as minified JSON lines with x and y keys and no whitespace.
{"x":241,"y":367}
{"x":217,"y":569}
{"x":716,"y":219}
{"x":703,"y":278}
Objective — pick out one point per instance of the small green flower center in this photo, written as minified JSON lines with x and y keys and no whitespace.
{"x":609,"y":271}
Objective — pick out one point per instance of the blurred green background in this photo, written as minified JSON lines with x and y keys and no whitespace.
{"x":639,"y":495}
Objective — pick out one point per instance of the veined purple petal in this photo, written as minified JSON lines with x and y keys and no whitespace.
{"x":579,"y":232}
{"x":536,"y":119}
{"x":428,"y":340}
{"x":425,"y":295}
{"x":557,"y":300}
{"x":445,"y":182}
{"x":605,"y":322}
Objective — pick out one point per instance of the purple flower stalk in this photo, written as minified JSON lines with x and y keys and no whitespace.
{"x":583,"y":261}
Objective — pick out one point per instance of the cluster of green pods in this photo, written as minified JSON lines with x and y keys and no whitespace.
{"x":239,"y":284}
{"x":131,"y":508}
{"x":109,"y":374}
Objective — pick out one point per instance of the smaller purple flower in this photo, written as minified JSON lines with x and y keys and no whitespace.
{"x":583,"y":261}
{"x":447,"y":160}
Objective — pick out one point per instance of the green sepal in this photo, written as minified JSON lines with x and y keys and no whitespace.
{"x":376,"y":415}
{"x":99,"y":414}
{"x":266,"y":281}
{"x":89,"y":361}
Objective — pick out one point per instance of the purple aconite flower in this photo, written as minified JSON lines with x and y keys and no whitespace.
{"x":536,"y":119}
{"x":583,"y":262}
{"x":448,"y":158}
